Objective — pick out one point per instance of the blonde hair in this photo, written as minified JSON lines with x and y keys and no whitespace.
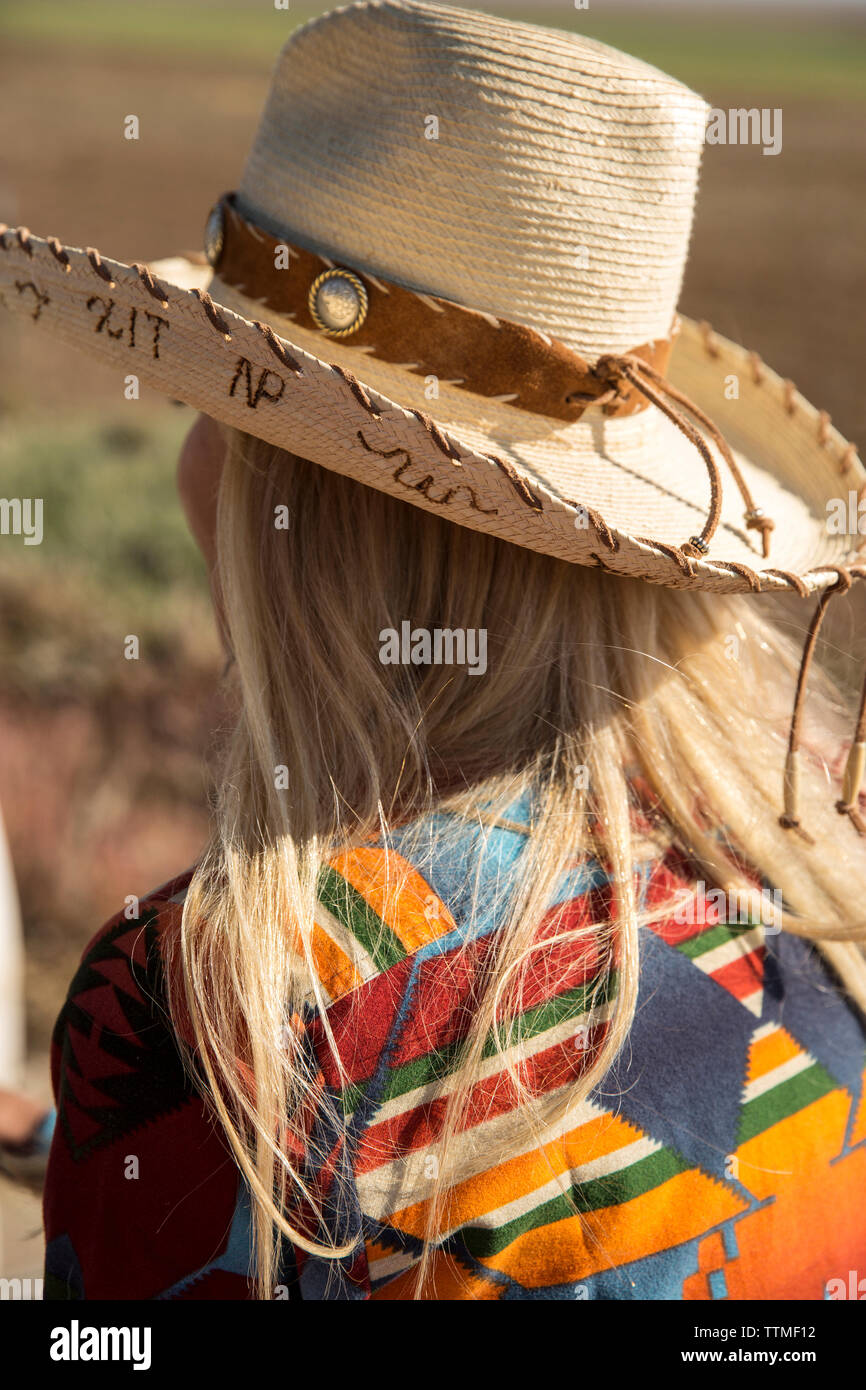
{"x":587,"y":676}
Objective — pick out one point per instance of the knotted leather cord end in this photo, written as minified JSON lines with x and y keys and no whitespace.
{"x":787,"y":823}
{"x":792,"y":785}
{"x":853,"y":778}
{"x":853,"y":815}
{"x":855,"y":766}
{"x":757,"y":520}
{"x":790,"y":819}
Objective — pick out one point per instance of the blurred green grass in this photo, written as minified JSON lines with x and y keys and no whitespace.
{"x":815,"y":53}
{"x":109,"y":498}
{"x":116,"y":556}
{"x":188,"y":27}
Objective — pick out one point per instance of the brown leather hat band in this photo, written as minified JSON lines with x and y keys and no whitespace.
{"x":428,"y":336}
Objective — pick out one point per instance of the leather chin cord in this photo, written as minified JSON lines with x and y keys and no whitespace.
{"x":615,"y":371}
{"x":852,"y":780}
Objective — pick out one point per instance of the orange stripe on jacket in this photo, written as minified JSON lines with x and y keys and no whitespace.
{"x":397,"y":893}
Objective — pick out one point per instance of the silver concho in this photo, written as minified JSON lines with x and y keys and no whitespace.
{"x":214,"y":236}
{"x":338,"y":302}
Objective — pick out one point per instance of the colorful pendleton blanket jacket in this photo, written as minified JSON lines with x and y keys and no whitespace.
{"x":722,"y":1157}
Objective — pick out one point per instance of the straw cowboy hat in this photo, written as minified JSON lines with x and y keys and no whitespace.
{"x":450,"y":270}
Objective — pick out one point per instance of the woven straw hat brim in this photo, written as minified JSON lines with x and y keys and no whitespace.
{"x":624,"y":493}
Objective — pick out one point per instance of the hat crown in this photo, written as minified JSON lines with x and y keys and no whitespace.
{"x":525,"y":172}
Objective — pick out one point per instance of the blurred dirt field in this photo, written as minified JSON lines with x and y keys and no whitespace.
{"x":102,"y":774}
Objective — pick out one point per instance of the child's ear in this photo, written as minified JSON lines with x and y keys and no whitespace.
{"x":199,"y":468}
